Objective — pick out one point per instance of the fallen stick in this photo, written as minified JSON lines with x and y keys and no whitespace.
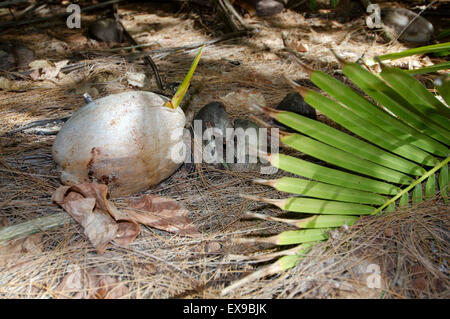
{"x":159,"y":53}
{"x":34,"y":226}
{"x":4,"y":4}
{"x":37,"y":124}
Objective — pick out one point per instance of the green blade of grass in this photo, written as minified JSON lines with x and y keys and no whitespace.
{"x":291,"y":237}
{"x":390,"y":208}
{"x":317,"y":221}
{"x":318,"y":206}
{"x":421,"y":50}
{"x":439,"y":166}
{"x":348,"y":143}
{"x":404,"y":200}
{"x":429,"y":69}
{"x":442,"y":84}
{"x":327,"y":221}
{"x":430,"y":186}
{"x":417,"y":195}
{"x":444,"y":182}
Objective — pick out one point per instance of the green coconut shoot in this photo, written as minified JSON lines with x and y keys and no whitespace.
{"x":182,"y":89}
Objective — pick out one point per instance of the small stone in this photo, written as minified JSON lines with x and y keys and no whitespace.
{"x":213,"y":247}
{"x":293,"y":102}
{"x":15,"y":55}
{"x":395,"y":21}
{"x":214,"y":118}
{"x":265,"y":8}
{"x":388,"y":232}
{"x":106,"y":30}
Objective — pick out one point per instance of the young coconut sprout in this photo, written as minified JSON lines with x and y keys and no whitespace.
{"x":128,"y":141}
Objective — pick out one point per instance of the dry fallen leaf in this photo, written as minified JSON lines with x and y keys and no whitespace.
{"x":46,"y":70}
{"x":88,"y":205}
{"x":13,"y":251}
{"x":162,"y":213}
{"x":89,"y":284}
{"x":298,"y":46}
{"x":136,"y":79}
{"x":103,"y":222}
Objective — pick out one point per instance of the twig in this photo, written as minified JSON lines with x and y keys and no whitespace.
{"x":227,"y":17}
{"x":34,"y":226}
{"x":296,"y":4}
{"x":235,"y":14}
{"x":36,"y":124}
{"x":165,"y":51}
{"x":11,"y":2}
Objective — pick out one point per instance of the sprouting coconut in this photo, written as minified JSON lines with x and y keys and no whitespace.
{"x":123,"y":140}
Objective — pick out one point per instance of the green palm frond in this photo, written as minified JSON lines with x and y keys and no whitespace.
{"x":397,"y":155}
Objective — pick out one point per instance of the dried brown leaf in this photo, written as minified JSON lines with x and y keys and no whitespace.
{"x":162,"y":213}
{"x":89,"y":284}
{"x":13,"y":251}
{"x":46,"y":70}
{"x":88,"y":205}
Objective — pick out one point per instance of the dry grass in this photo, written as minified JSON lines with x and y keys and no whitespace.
{"x":161,"y":265}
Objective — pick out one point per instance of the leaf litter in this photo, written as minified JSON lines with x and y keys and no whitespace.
{"x":103,"y":222}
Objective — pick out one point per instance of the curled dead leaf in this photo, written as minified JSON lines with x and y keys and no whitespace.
{"x":103,"y":222}
{"x":89,"y":284}
{"x":12,"y":252}
{"x":46,"y":70}
{"x":88,"y":205}
{"x":162,"y":213}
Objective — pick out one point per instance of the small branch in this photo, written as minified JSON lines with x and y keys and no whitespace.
{"x":36,"y":124}
{"x":34,"y":226}
{"x":11,"y":2}
{"x":159,"y":53}
{"x":227,"y":17}
{"x":235,"y":14}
